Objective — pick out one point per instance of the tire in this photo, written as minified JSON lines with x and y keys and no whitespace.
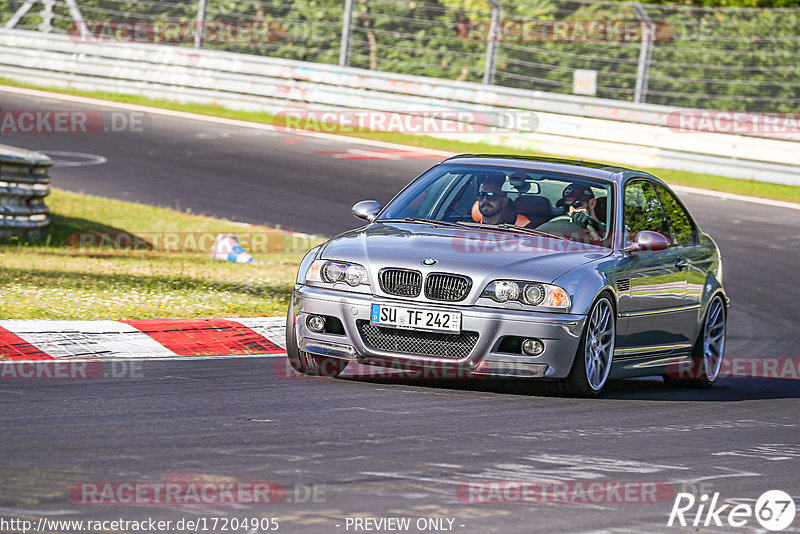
{"x":292,"y":352}
{"x":595,"y":355}
{"x":305,"y":363}
{"x":708,"y":350}
{"x":323,"y":366}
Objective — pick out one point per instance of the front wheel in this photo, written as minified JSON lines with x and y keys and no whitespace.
{"x":595,"y":354}
{"x":708,"y":350}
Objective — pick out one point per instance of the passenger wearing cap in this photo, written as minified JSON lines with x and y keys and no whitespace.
{"x":579,"y":216}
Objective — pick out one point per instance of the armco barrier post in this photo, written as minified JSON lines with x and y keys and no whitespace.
{"x":347,"y":32}
{"x":24,"y":183}
{"x":200,"y":23}
{"x":493,"y":43}
{"x":645,"y":54}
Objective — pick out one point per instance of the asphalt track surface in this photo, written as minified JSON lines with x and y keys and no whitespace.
{"x":379,"y":448}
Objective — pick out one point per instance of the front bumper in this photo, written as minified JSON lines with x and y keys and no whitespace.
{"x":560,"y":333}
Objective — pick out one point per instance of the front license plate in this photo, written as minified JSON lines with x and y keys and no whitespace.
{"x":416,"y":318}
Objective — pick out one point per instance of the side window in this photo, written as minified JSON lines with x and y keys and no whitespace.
{"x":643,"y":210}
{"x":682,"y":229}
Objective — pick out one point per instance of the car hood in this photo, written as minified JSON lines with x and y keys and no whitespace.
{"x":483,"y":255}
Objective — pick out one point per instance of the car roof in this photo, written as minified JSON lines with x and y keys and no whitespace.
{"x":573,"y":166}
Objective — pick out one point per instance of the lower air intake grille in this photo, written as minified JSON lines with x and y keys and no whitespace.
{"x":456,"y":346}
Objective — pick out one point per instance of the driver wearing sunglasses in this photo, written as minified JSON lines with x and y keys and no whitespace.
{"x":494,"y":204}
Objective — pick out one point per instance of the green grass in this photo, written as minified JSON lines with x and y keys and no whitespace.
{"x":57,"y":278}
{"x":704,"y":181}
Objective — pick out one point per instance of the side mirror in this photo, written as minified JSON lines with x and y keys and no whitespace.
{"x":647,"y":241}
{"x":366,"y":209}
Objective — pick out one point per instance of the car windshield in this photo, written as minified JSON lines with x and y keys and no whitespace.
{"x":509,"y":199}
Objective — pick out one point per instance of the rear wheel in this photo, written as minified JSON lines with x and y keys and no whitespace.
{"x":592,"y":363}
{"x":305,"y":363}
{"x":708,"y":349}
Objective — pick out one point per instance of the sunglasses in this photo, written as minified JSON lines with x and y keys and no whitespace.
{"x":489,"y":195}
{"x":576,"y":202}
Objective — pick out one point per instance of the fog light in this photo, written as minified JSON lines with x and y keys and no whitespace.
{"x":316,"y":323}
{"x":532,"y":346}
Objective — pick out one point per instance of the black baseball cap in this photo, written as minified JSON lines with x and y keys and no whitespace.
{"x":574,"y":192}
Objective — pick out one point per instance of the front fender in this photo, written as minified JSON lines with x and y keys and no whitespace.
{"x":586,"y":282}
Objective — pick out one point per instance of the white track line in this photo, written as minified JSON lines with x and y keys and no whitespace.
{"x":219,"y":120}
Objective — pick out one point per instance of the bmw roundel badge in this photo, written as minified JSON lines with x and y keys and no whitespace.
{"x":428,"y":261}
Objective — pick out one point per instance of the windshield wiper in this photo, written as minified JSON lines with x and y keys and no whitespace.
{"x":512,"y":227}
{"x":422,"y":221}
{"x":502,"y":226}
{"x":532,"y":231}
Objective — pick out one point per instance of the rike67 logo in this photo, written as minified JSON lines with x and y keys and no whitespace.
{"x":774,"y":510}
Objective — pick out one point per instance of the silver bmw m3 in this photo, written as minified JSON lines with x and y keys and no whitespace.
{"x":498,"y":266}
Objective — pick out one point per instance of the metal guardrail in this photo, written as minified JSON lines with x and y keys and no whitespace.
{"x":670,"y":53}
{"x":24,"y":183}
{"x":569,"y":125}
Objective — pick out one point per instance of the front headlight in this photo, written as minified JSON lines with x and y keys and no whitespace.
{"x":530,"y":293}
{"x":305,"y":264}
{"x":331,"y":272}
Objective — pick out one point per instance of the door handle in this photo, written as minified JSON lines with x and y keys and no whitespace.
{"x":681,"y":263}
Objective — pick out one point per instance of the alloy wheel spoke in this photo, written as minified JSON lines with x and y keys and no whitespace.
{"x":714,"y":339}
{"x":604,"y":320}
{"x":712,"y":318}
{"x":712,"y":366}
{"x":595,"y":319}
{"x":599,"y":344}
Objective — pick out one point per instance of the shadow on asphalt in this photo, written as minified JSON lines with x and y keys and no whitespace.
{"x":651,"y":388}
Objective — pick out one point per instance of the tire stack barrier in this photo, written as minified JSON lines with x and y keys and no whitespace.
{"x":24,"y":183}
